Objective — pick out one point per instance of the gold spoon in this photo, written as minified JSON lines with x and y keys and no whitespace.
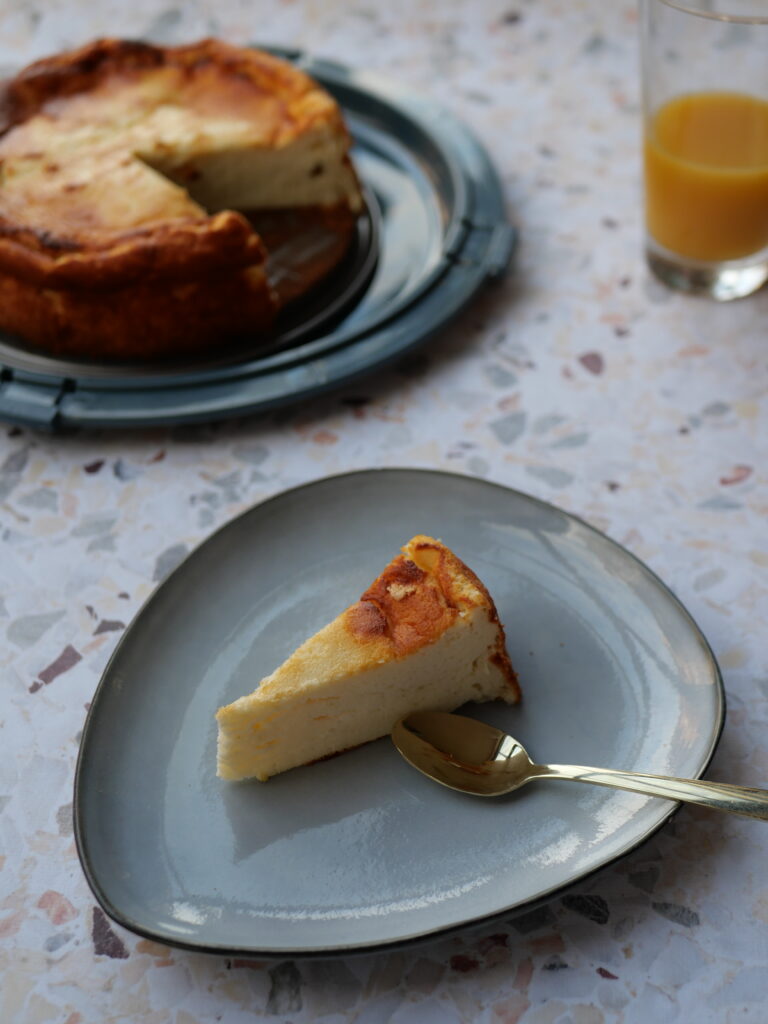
{"x":473,"y":757}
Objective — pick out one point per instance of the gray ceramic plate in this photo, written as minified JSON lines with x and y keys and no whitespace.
{"x":361,"y":851}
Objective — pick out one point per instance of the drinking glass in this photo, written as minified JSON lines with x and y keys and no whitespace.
{"x":705,"y":107}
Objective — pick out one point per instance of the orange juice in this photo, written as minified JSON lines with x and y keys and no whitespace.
{"x":706,"y":175}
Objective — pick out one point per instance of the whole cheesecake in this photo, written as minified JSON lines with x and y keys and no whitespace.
{"x":125,"y":169}
{"x":425,"y":635}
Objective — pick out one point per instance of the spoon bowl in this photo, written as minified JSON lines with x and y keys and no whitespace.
{"x":462,"y":753}
{"x":476,"y":758}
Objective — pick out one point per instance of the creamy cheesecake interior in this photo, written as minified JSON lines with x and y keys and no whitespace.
{"x":227,"y":166}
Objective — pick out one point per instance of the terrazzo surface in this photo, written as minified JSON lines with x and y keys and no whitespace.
{"x":577,"y":379}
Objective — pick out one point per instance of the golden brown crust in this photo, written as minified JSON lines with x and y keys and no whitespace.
{"x":66,"y":260}
{"x":67,"y":74}
{"x":173,"y":251}
{"x":236,"y":74}
{"x":417,"y":597}
{"x":137,"y":322}
{"x":404,"y":607}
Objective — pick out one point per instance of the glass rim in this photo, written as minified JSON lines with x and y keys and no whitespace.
{"x":734,"y":11}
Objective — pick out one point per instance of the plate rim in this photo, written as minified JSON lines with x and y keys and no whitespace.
{"x":438,"y":933}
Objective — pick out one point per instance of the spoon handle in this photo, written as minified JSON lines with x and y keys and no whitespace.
{"x":751,"y":803}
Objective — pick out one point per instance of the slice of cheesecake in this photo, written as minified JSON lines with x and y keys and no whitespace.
{"x":425,"y":635}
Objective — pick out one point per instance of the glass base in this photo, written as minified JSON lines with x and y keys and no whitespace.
{"x":730,"y":279}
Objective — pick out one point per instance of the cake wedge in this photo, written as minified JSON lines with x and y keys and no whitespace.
{"x":424,"y":635}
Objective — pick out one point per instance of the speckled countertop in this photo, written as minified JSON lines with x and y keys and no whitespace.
{"x":579,"y":380}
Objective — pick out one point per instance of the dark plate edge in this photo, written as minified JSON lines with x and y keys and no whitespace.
{"x":472,"y":924}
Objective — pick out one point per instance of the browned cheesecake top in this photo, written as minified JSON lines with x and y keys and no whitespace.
{"x":418,"y":596}
{"x":98,"y":149}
